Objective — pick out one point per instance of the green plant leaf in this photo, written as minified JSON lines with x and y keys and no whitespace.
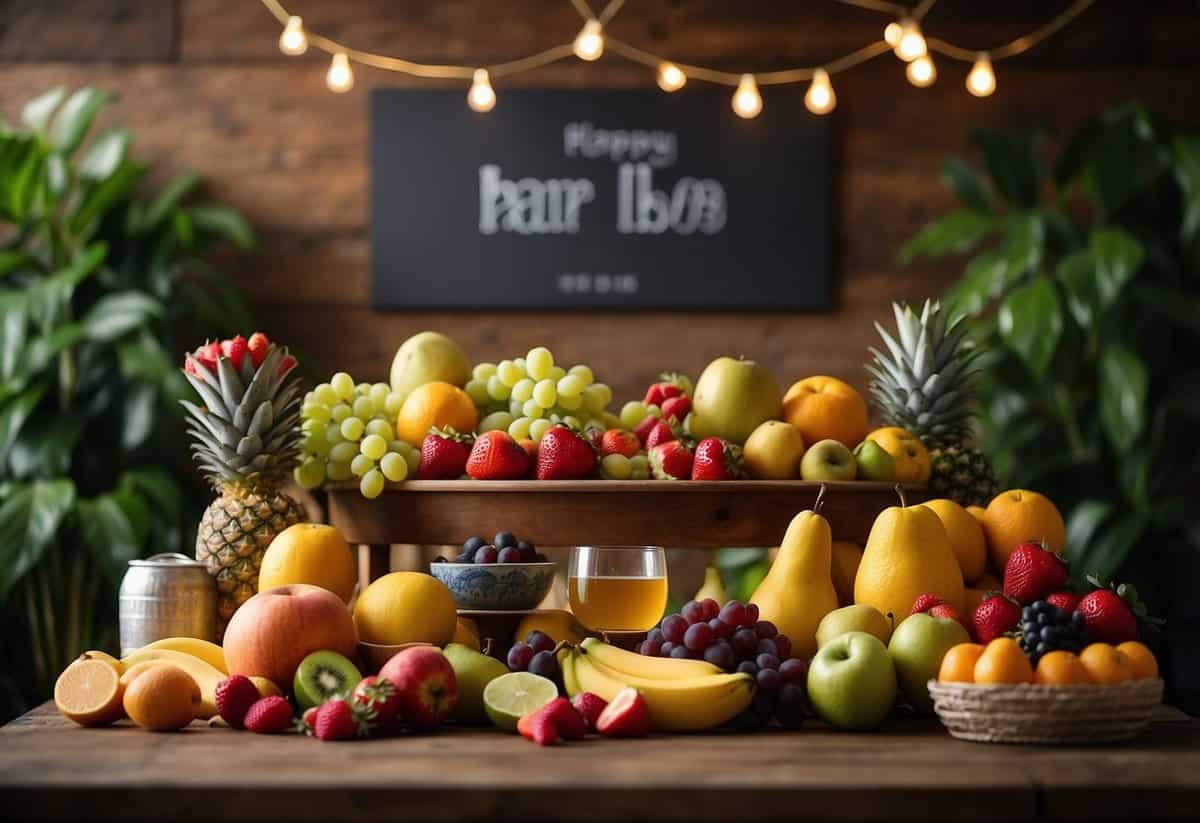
{"x":1013,"y":164}
{"x":1076,"y":153}
{"x":158,"y":487}
{"x":48,"y":295}
{"x":1078,"y":275}
{"x":74,"y":119}
{"x":104,"y":155}
{"x":223,"y":222}
{"x":1124,"y":382}
{"x":14,"y":323}
{"x":13,"y":261}
{"x":1124,"y":161}
{"x":1107,"y":549}
{"x":168,"y":199}
{"x":1118,"y":256}
{"x":29,"y":519}
{"x":1024,"y":237}
{"x":119,"y":313}
{"x":962,"y":179}
{"x":1030,"y":323}
{"x":1186,"y":151}
{"x":104,"y":195}
{"x":955,"y":233}
{"x":44,"y":446}
{"x":1172,"y":303}
{"x":13,"y":414}
{"x":139,"y":417}
{"x":108,"y":535}
{"x":38,"y":111}
{"x":983,"y":279}
{"x":57,"y":176}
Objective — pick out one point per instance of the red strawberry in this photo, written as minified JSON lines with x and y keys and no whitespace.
{"x":671,"y":461}
{"x":619,"y":441}
{"x":235,"y":349}
{"x":207,"y":356}
{"x":716,"y":459}
{"x":235,"y":695}
{"x":589,"y":707}
{"x":269,"y":715}
{"x":658,"y":392}
{"x":626,"y":716}
{"x":258,"y":345}
{"x":381,"y":703}
{"x":539,"y":727}
{"x":531,"y":451}
{"x":995,"y":616}
{"x":564,"y":455}
{"x":337,"y":720}
{"x":676,"y":408}
{"x":308,"y":719}
{"x":570,"y":723}
{"x":1107,"y":617}
{"x":1065,"y":600}
{"x":948,"y":612}
{"x":642,"y":430}
{"x":1032,"y":572}
{"x":661,"y":432}
{"x":496,"y":456}
{"x":924,"y":603}
{"x":444,"y":454}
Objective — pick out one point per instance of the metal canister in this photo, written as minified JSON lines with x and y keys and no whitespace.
{"x":167,"y":595}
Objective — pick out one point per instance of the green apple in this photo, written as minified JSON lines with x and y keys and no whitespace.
{"x":472,"y":671}
{"x":428,"y":357}
{"x":918,"y":645}
{"x":851,"y":681}
{"x":827,"y":460}
{"x":874,"y":463}
{"x":731,"y":398}
{"x":857,"y":618}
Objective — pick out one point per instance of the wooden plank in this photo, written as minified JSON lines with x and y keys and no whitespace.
{"x":85,"y":30}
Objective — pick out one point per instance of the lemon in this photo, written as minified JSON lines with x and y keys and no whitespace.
{"x":511,"y":696}
{"x":406,"y":607}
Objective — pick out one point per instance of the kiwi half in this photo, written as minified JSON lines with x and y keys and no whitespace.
{"x":321,"y":676}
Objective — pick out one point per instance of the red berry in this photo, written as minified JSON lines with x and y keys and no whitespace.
{"x":564,"y":455}
{"x":496,"y":456}
{"x":570,"y":723}
{"x":676,"y":408}
{"x":671,"y":461}
{"x":716,"y":459}
{"x":924,"y":603}
{"x":589,"y":707}
{"x":381,"y":698}
{"x":1107,"y":618}
{"x":619,"y":441}
{"x":235,"y":695}
{"x":1032,"y":572}
{"x":336,"y":720}
{"x":539,"y":727}
{"x":627,"y":715}
{"x":995,"y":616}
{"x":444,"y":455}
{"x":269,"y":715}
{"x":661,"y":432}
{"x":1067,"y":601}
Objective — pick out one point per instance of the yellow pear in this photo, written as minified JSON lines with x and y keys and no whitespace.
{"x":798,"y":590}
{"x":713,"y":586}
{"x":907,"y":554}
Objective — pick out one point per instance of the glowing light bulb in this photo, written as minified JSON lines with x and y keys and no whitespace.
{"x":481,"y":97}
{"x":340,"y":77}
{"x":747,"y":102}
{"x":293,"y":41}
{"x":981,"y":81}
{"x":921,"y":72}
{"x":820,"y":99}
{"x":670,"y":77}
{"x":911,"y":44}
{"x":589,"y":43}
{"x":892,"y":32}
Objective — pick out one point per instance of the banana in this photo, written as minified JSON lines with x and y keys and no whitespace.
{"x":639,"y":665}
{"x":210,"y":653}
{"x":206,"y":676}
{"x":684,"y":705}
{"x":266,"y":687}
{"x":106,"y":657}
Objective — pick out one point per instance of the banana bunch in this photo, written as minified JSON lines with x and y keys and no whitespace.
{"x":682,"y":695}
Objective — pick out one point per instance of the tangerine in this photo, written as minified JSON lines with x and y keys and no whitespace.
{"x":1145,"y":666}
{"x":1019,"y":516}
{"x":1003,"y":661}
{"x":1061,"y":668}
{"x":89,"y":692}
{"x":908,"y":452}
{"x":958,"y":664}
{"x":825,"y":408}
{"x":1107,"y":664}
{"x":435,"y":405}
{"x":162,"y":698}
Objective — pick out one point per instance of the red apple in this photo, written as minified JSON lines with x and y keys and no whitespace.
{"x":275,"y":629}
{"x":425,"y":681}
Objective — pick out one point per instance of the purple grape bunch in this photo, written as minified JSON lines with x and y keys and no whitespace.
{"x":535,"y":654}
{"x":732,"y":638}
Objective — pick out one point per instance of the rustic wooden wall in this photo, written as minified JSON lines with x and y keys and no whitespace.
{"x":203,"y":85}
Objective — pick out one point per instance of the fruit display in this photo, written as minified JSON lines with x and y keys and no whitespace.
{"x":773,"y":451}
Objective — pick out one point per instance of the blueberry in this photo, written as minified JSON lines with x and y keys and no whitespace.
{"x":504,"y":539}
{"x":1048,"y":634}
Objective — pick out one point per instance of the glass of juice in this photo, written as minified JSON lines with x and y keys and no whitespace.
{"x":618,"y":588}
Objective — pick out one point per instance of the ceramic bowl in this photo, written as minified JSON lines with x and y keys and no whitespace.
{"x":496,"y":585}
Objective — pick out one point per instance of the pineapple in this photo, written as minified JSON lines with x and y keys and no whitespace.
{"x":925,"y":387}
{"x":246,"y":440}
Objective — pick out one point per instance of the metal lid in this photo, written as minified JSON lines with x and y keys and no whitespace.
{"x":168,"y":559}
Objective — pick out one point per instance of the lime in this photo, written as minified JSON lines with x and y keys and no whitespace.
{"x":511,"y":696}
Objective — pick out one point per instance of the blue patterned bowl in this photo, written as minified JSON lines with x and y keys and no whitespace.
{"x":511,"y":586}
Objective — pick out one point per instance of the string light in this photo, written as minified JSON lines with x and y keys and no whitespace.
{"x":820,"y":98}
{"x":981,"y":80}
{"x":340,"y":77}
{"x":911,"y":44}
{"x":921,"y":72}
{"x":891,"y":33}
{"x":747,"y":102}
{"x":293,"y":41}
{"x":481,"y":97}
{"x":670,"y":77}
{"x":589,"y":43}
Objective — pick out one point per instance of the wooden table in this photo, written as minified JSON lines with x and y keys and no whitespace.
{"x":51,"y":769}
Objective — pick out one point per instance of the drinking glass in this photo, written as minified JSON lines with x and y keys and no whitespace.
{"x":617,"y":588}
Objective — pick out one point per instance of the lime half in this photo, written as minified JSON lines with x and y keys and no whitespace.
{"x":511,"y":696}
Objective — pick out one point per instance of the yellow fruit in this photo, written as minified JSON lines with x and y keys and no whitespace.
{"x":265,"y":686}
{"x":773,"y":451}
{"x":162,"y":698}
{"x":466,"y":633}
{"x":432,"y":405}
{"x":205,"y":676}
{"x":1059,"y":668}
{"x":406,"y":607}
{"x":798,"y":590}
{"x":958,"y":664}
{"x":89,"y":692}
{"x":846,"y":557}
{"x":1002,"y":661}
{"x":1145,"y":666}
{"x":1018,"y":516}
{"x":713,"y":586}
{"x":209,"y":652}
{"x":977,"y":512}
{"x":966,"y":537}
{"x":907,"y":554}
{"x":558,"y":624}
{"x":310,"y":553}
{"x":1108,"y":664}
{"x":640,"y":665}
{"x":428,"y":357}
{"x":908,"y":452}
{"x":93,"y":654}
{"x":825,"y":408}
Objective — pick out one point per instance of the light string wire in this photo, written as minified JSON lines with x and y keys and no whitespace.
{"x":727,"y":78}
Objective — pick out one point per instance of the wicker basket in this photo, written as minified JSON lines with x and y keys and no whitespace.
{"x":1029,"y":713}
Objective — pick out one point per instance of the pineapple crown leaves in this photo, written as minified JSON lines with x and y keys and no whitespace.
{"x":1129,"y":594}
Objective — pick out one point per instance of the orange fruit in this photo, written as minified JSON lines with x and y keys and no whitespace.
{"x":966,"y":537}
{"x":1003,"y":661}
{"x":162,"y":697}
{"x":825,"y":408}
{"x":976,"y":512}
{"x":958,"y":664}
{"x":1019,"y":516}
{"x":846,"y":557}
{"x":1145,"y":666}
{"x":1106,"y":664}
{"x":89,"y":692}
{"x":1061,"y":668}
{"x":435,"y":404}
{"x":908,"y":452}
{"x":310,"y":553}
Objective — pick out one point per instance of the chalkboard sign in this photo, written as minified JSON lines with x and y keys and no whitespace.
{"x":599,"y":200}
